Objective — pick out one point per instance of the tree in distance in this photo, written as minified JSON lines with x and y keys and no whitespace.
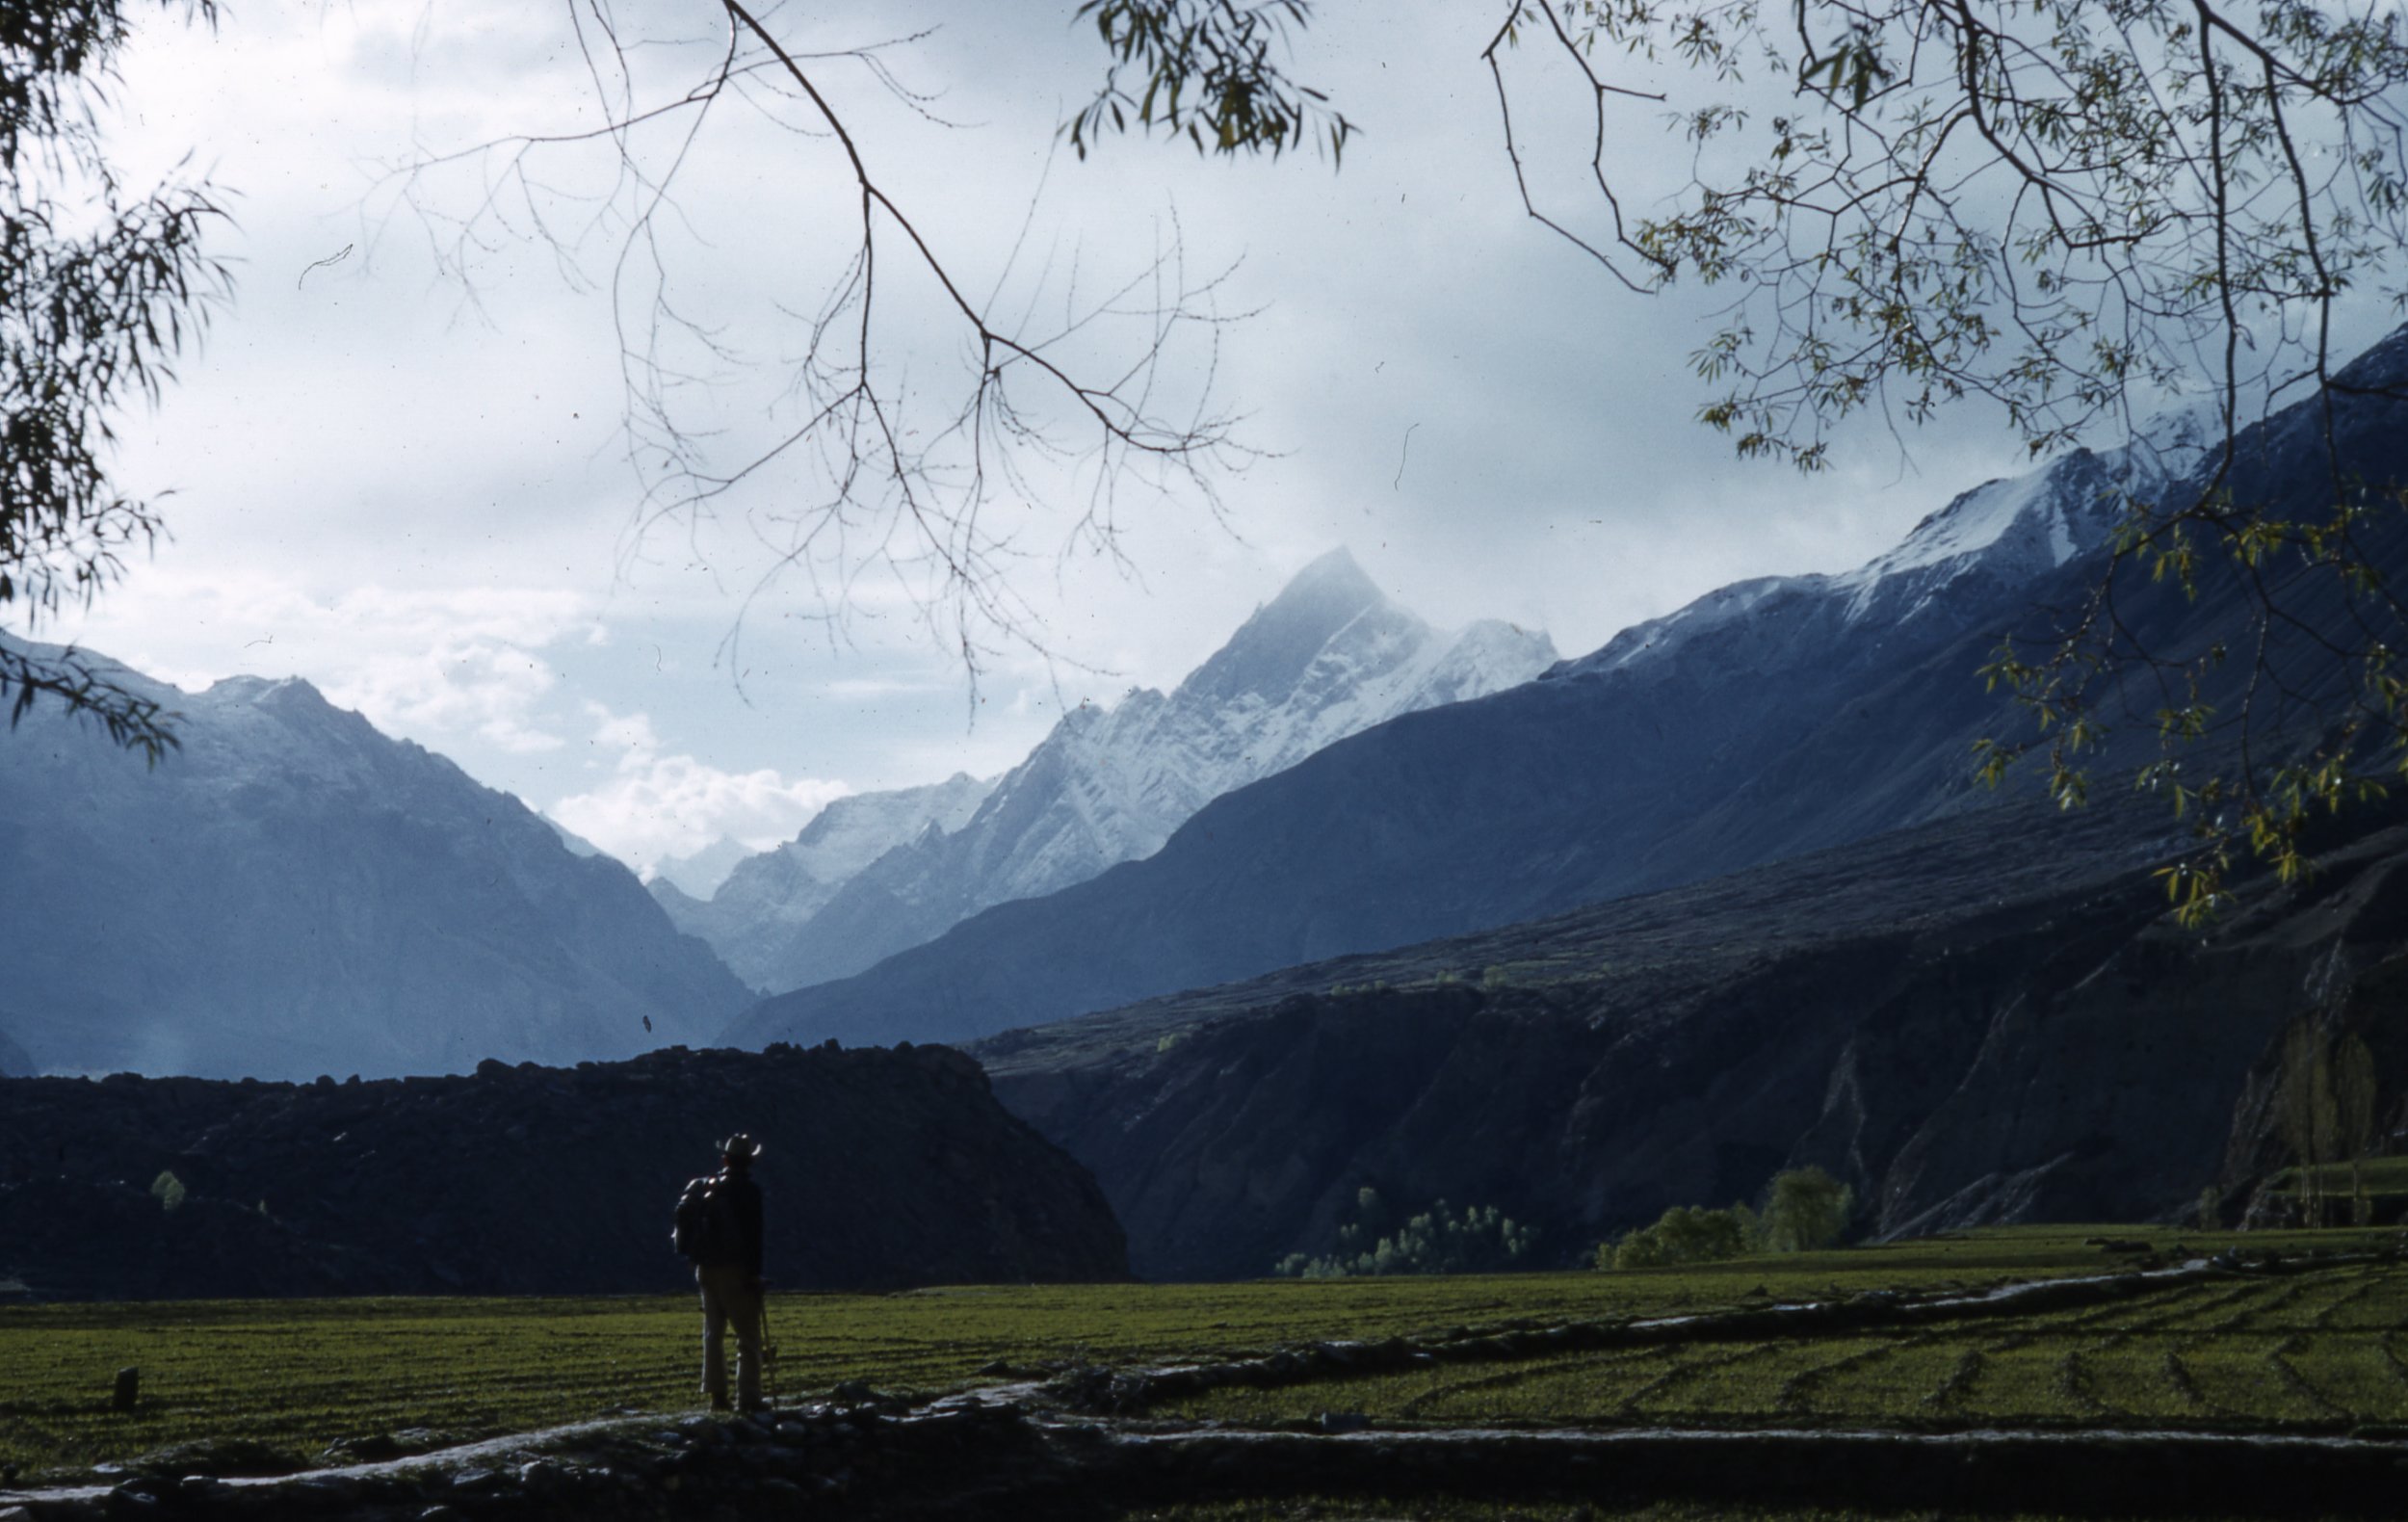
{"x":1805,"y":1209}
{"x":1683,"y":1234}
{"x":1481,"y":1239}
{"x":2324,"y":1110}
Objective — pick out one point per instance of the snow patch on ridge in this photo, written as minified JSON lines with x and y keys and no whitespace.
{"x":1658,"y":638}
{"x":2008,"y":531}
{"x":1969,"y":525}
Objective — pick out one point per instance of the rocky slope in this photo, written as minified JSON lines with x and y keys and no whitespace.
{"x":1328,"y":657}
{"x":1768,"y":719}
{"x":882,"y":1167}
{"x":1987,"y":1019}
{"x":293,"y":893}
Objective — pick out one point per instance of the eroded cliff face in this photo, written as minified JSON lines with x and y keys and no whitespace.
{"x":884,"y":1167}
{"x":2059,"y":1055}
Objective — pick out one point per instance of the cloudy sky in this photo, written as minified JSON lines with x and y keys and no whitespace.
{"x":415,"y":491}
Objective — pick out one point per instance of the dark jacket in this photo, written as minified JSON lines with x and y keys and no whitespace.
{"x":747,"y":1198}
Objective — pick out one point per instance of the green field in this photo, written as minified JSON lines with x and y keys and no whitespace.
{"x":2316,"y":1349}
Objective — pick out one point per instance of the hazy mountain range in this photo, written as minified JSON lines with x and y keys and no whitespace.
{"x":878,"y":872}
{"x":764,"y":900}
{"x":700,"y":875}
{"x":293,"y":893}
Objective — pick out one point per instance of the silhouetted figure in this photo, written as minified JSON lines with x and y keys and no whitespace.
{"x":718,"y":1227}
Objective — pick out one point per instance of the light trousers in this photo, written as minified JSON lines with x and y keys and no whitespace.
{"x":729,"y":1297}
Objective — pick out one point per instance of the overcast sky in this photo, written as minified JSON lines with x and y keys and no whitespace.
{"x":413,"y":493}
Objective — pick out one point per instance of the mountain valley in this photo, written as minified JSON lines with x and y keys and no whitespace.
{"x":1355,"y":905}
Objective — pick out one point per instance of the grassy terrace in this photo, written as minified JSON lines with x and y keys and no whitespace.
{"x":2321,"y":1349}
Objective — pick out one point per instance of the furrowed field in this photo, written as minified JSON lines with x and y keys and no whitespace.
{"x":2317,"y":1347}
{"x":2315,"y":1352}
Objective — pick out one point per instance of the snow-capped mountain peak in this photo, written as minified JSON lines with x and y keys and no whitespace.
{"x":763,"y":899}
{"x":1270,"y":652}
{"x":1328,"y":656}
{"x":2017,"y":528}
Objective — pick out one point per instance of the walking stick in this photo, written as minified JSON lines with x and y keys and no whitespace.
{"x":769,"y":1353}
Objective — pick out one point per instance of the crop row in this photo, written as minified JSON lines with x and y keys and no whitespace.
{"x":2320,"y":1351}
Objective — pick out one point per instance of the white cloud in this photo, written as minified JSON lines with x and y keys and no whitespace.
{"x":452,"y":669}
{"x":632,"y":733}
{"x":655,"y":806}
{"x":463,"y":685}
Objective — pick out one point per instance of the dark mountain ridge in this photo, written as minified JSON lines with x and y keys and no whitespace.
{"x":882,"y":1168}
{"x":1985,"y":1019}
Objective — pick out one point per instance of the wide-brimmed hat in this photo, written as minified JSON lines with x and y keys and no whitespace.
{"x":740,"y":1147}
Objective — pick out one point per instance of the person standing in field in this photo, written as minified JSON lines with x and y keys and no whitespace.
{"x":718,"y":1230}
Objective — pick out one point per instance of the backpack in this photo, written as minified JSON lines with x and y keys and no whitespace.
{"x":706,"y":1230}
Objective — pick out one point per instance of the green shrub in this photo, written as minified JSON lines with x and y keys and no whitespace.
{"x":1683,"y":1234}
{"x":168,"y":1190}
{"x":1804,"y":1209}
{"x":1482,"y":1239}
